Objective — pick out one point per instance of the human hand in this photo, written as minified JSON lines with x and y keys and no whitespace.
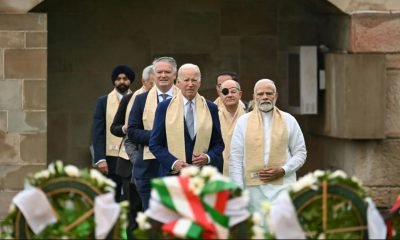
{"x":178,"y":166}
{"x":200,"y":159}
{"x":103,"y":167}
{"x":125,"y":128}
{"x":269,"y":174}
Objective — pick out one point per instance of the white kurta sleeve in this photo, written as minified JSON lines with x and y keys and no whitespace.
{"x":297,"y":146}
{"x":236,"y":160}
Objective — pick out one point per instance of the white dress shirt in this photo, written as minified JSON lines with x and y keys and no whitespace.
{"x":295,"y":157}
{"x":185,"y":107}
{"x":170,"y":93}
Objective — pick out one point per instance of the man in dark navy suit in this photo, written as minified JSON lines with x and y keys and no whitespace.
{"x":186,"y":128}
{"x":106,"y":145}
{"x":140,"y":124}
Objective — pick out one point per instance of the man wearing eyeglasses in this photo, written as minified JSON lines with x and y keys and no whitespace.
{"x":229,"y":114}
{"x":267,"y":148}
{"x":105,"y":144}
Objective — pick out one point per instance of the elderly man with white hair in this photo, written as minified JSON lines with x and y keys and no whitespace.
{"x":267,"y":147}
{"x":186,"y":128}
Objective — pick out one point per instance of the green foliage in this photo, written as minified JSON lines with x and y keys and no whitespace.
{"x":346,"y":207}
{"x":71,"y":193}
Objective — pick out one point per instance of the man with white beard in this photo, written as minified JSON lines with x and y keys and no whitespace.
{"x":267,"y":147}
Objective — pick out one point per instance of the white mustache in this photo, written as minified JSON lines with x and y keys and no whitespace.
{"x":266,"y":103}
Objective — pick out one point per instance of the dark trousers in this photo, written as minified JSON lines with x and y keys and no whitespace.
{"x":112,"y":165}
{"x":144,"y":189}
{"x":130,"y":193}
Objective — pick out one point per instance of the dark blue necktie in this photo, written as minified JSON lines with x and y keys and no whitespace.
{"x":164,"y":96}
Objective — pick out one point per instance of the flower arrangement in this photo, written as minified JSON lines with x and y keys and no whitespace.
{"x":71,"y":193}
{"x":330,"y":205}
{"x":393,"y":221}
{"x":200,"y":203}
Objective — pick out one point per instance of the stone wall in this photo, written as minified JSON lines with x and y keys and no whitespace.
{"x":88,"y":38}
{"x":375,"y":162}
{"x":23,"y":104}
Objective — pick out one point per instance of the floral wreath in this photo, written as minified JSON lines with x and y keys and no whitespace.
{"x":330,"y":205}
{"x":198,"y":204}
{"x":393,"y":220}
{"x":72,"y":195}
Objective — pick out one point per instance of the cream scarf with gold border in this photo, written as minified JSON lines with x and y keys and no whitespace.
{"x":227,"y":126}
{"x":149,"y":112}
{"x":112,"y":142}
{"x":175,"y":129}
{"x":122,"y":151}
{"x":254,"y":144}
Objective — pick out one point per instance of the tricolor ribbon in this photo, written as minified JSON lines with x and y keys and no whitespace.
{"x":191,"y":215}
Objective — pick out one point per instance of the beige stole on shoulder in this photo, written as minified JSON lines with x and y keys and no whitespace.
{"x":149,"y":113}
{"x":218,"y":102}
{"x":175,"y":129}
{"x":255,"y":146}
{"x":112,"y":142}
{"x":122,"y":151}
{"x":228,"y":124}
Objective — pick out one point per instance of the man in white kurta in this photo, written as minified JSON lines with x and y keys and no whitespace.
{"x":270,"y":179}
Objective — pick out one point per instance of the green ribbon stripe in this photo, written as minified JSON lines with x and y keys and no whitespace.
{"x":163,"y":192}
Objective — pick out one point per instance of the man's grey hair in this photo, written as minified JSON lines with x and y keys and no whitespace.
{"x":147,"y":71}
{"x":265,"y":81}
{"x":169,"y":60}
{"x":189,"y":65}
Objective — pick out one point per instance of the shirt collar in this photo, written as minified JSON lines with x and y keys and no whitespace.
{"x":185,"y":100}
{"x":119,"y":96}
{"x":170,"y":92}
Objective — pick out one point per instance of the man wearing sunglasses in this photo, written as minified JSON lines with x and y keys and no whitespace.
{"x":229,"y":114}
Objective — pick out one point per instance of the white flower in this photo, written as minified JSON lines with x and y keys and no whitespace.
{"x":141,"y":219}
{"x":94,"y":174}
{"x":307,"y":181}
{"x":190,"y":171}
{"x":356,"y":180}
{"x":196,"y":184}
{"x":338,"y":173}
{"x":266,"y":206}
{"x":319,"y":173}
{"x":220,"y":177}
{"x":257,"y":219}
{"x":124,"y":204}
{"x":52,"y":169}
{"x":109,"y":189}
{"x":59,"y":166}
{"x":71,"y":171}
{"x":123,"y":216}
{"x":12,"y":208}
{"x":258,"y":232}
{"x":110,"y":182}
{"x":42,"y":174}
{"x":208,"y":171}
